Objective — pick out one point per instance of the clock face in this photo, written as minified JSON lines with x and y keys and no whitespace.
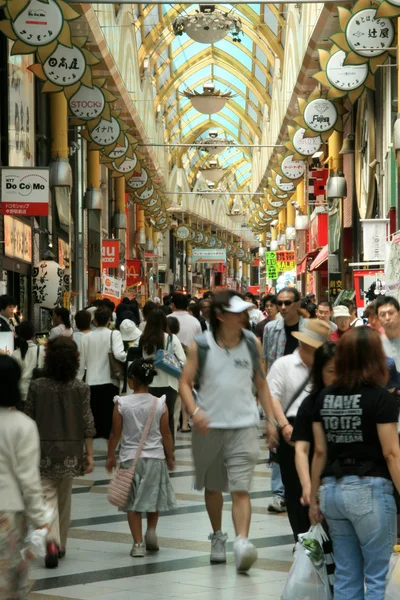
{"x":283,"y":185}
{"x":320,"y":115}
{"x":367,"y":35}
{"x":345,"y":77}
{"x":292,"y":168}
{"x":306,"y":146}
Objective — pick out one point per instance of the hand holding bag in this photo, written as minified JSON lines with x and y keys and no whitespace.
{"x":121,"y":484}
{"x":117,"y":368}
{"x":166,"y":361}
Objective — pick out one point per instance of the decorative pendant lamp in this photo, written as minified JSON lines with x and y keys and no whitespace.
{"x":213,"y":172}
{"x":213,"y":145}
{"x":208,"y":25}
{"x":210,"y":101}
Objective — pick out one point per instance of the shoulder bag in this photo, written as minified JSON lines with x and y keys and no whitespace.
{"x":121,"y":484}
{"x":166,"y":361}
{"x":117,"y":368}
{"x":37,"y":372}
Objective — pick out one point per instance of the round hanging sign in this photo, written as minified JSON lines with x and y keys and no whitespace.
{"x":219,"y":244}
{"x":127,"y":166}
{"x":106,"y":132}
{"x":345,"y":77}
{"x":65,"y":66}
{"x":292,"y":168}
{"x":150,"y":203}
{"x":39,"y":23}
{"x":272,"y":212}
{"x":320,"y":115}
{"x":120,"y":150}
{"x":276,"y":203}
{"x":146,"y":194}
{"x":161,"y":221}
{"x":199,"y":237}
{"x":138,"y":180}
{"x":206,"y":239}
{"x":277,"y":194}
{"x":182,"y":232}
{"x":192,"y":235}
{"x":306,"y":145}
{"x":212,"y":242}
{"x":87,"y":103}
{"x":229,"y":248}
{"x":368,"y":35}
{"x":284,"y":186}
{"x":240,"y":253}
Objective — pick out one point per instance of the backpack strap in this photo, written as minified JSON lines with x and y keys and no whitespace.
{"x":250,"y":340}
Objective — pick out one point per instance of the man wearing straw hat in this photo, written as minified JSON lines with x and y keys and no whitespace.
{"x":288,"y":380}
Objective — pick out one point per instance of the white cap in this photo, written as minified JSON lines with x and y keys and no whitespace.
{"x":129,"y":331}
{"x":341,"y":311}
{"x":237,"y":305}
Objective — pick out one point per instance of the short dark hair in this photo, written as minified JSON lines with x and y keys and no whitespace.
{"x":270,"y":298}
{"x":62,"y":359}
{"x":180,"y":301}
{"x":382,"y":300}
{"x":249,"y":295}
{"x":370,"y":310}
{"x":360,"y":359}
{"x":142,"y":370}
{"x":63,"y":313}
{"x":173,"y":325}
{"x":109,"y":304}
{"x":325,"y":303}
{"x":10,"y":374}
{"x":148,"y":307}
{"x":6,"y":301}
{"x":83,"y":318}
{"x":208,"y":295}
{"x":322,"y":356}
{"x":294,"y":291}
{"x":102,"y":316}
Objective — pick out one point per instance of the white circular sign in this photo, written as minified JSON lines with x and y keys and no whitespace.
{"x":138,"y":180}
{"x":151,"y":203}
{"x":306,"y":145}
{"x":272,"y":212}
{"x":212,"y":241}
{"x":320,"y":115}
{"x":276,"y":203}
{"x":345,"y":77}
{"x":120,"y":149}
{"x":183,"y":232}
{"x":199,"y":237}
{"x":146,"y":194}
{"x":292,"y":168}
{"x":240,"y":253}
{"x":283,"y":185}
{"x":39,"y":23}
{"x":127,"y":166}
{"x":367,"y":35}
{"x":277,"y":194}
{"x":106,"y":132}
{"x":219,"y":244}
{"x":88,"y":103}
{"x":66,"y":66}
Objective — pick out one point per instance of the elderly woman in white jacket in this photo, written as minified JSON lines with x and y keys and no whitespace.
{"x":21,"y":496}
{"x":95,"y":349}
{"x":155,"y":337}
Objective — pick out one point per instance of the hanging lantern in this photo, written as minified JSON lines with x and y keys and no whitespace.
{"x":209,"y":25}
{"x":47,"y":284}
{"x":213,"y":145}
{"x":213,"y":172}
{"x":210,"y":101}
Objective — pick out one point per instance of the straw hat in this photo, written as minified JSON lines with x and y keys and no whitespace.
{"x":314,"y":332}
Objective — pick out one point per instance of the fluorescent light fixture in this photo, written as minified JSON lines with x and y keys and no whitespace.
{"x":274,"y":223}
{"x":317,"y":154}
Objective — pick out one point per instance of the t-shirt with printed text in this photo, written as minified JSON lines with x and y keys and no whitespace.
{"x":350,"y":419}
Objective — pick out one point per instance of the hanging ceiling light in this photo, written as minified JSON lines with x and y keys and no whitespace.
{"x":212,"y":172}
{"x":208,"y":25}
{"x":213,"y":144}
{"x":210,"y":101}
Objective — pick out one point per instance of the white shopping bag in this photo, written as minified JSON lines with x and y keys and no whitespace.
{"x":393,"y":577}
{"x":305,"y":580}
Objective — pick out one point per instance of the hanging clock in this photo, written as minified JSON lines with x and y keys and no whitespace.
{"x":319,"y":115}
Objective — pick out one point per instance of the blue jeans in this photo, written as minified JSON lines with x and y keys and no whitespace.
{"x":276,"y":481}
{"x":361,"y":514}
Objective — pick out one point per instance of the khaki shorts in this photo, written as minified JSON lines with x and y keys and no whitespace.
{"x":224,"y":459}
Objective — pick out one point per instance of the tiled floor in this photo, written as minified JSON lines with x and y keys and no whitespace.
{"x":98,"y":565}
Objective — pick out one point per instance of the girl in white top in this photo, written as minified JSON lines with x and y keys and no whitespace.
{"x":62,"y":324}
{"x":151,"y":491}
{"x":29,"y":356}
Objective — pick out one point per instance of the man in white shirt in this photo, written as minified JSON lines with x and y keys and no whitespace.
{"x":189,"y":326}
{"x":288,"y":380}
{"x":388,"y":310}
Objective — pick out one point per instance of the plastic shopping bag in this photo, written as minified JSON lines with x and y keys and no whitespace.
{"x":393,"y":576}
{"x":308,"y":578}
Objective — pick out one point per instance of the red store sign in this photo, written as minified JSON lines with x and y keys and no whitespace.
{"x":110,"y":254}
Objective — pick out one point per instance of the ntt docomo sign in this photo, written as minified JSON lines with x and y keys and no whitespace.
{"x":110,"y":254}
{"x":25,"y":192}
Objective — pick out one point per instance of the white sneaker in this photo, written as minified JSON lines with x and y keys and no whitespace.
{"x":151,"y":541}
{"x":218,"y":547}
{"x":277,"y":505}
{"x":138,"y":550}
{"x":245,"y":554}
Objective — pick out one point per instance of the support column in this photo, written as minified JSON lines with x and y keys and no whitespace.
{"x":59,"y":126}
{"x":281,"y":228}
{"x":119,"y":220}
{"x":335,"y":260}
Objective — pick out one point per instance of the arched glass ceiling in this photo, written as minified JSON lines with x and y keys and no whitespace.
{"x":245,"y":69}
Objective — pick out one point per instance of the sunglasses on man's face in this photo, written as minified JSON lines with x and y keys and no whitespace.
{"x":285,"y":302}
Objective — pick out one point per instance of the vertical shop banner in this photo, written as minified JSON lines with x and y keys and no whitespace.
{"x":111,"y":287}
{"x":25,"y":192}
{"x":335,"y":285}
{"x":133,"y":272}
{"x":110,"y":254}
{"x":21,"y":110}
{"x":272,"y":271}
{"x":7,"y":342}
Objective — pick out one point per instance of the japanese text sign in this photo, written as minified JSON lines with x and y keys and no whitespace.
{"x":25,"y":192}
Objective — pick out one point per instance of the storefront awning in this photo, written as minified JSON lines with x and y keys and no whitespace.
{"x":319,"y":260}
{"x":302,"y":265}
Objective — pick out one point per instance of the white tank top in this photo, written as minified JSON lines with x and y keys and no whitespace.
{"x":226,"y":387}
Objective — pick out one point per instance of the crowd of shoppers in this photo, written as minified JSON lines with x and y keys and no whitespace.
{"x":321,"y":377}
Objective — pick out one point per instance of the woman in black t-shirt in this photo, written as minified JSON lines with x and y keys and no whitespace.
{"x":357,"y":454}
{"x":322,"y":375}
